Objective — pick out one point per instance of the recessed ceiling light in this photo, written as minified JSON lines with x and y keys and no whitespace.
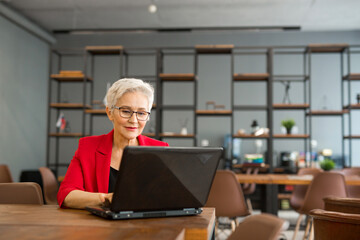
{"x":152,"y":8}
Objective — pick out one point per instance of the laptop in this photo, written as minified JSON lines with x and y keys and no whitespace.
{"x":162,"y":182}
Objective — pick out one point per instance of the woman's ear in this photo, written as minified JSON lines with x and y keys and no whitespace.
{"x":110,"y":113}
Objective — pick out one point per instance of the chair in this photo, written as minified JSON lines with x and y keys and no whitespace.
{"x":335,"y":225}
{"x":345,"y":205}
{"x":227,"y":197}
{"x":21,"y":193}
{"x":50,"y":185}
{"x":249,"y":188}
{"x":299,"y":192}
{"x":324,"y":184}
{"x":353,"y":191}
{"x":5,"y":174}
{"x":259,"y":227}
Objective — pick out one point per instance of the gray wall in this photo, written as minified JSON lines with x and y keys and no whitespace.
{"x":23,"y":98}
{"x":215,"y":83}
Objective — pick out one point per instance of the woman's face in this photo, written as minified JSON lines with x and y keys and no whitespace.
{"x":129,"y":128}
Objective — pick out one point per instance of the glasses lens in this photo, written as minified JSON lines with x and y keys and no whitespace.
{"x":125,"y":113}
{"x":142,"y":116}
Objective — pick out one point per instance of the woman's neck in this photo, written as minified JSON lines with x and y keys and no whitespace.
{"x":121,"y":143}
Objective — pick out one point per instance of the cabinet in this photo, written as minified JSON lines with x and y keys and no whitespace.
{"x":60,"y":76}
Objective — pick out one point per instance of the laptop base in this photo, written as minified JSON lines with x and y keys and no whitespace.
{"x":106,"y":213}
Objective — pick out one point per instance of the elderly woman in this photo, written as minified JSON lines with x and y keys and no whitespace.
{"x":90,"y":178}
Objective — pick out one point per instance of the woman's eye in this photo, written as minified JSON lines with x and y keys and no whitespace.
{"x":141,"y":113}
{"x":126,"y":111}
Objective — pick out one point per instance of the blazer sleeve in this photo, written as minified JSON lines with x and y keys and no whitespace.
{"x":74,"y":179}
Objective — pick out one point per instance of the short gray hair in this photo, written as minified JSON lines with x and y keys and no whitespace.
{"x":125,"y":85}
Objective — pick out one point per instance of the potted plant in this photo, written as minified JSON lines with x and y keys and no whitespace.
{"x":288,"y":124}
{"x":327,"y":164}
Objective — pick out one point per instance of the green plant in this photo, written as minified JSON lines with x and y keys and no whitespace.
{"x":327,"y":164}
{"x":288,"y":124}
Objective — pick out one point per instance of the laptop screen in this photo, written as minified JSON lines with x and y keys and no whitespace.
{"x":164,"y":178}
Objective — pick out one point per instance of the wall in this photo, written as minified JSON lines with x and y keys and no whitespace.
{"x":23,"y":98}
{"x":215,"y":83}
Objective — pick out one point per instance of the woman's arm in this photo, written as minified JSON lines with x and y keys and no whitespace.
{"x":81,"y":199}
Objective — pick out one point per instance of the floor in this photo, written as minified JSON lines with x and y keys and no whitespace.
{"x":288,"y":215}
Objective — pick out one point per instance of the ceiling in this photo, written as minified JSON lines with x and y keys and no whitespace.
{"x":307,"y":15}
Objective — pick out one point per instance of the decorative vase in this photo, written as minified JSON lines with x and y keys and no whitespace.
{"x":183,"y":131}
{"x":288,"y":130}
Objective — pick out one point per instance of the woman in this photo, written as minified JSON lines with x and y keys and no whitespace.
{"x":91,"y":175}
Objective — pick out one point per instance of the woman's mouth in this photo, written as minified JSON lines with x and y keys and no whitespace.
{"x":131,"y":128}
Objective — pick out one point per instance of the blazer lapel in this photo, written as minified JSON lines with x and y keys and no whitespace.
{"x":102,"y":162}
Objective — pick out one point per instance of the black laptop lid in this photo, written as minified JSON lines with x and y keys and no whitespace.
{"x":164,"y":178}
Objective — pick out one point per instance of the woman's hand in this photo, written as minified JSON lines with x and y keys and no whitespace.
{"x":105,"y":199}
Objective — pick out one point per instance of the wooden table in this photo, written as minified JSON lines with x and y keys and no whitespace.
{"x":271,"y":182}
{"x":51,"y":222}
{"x":286,"y":179}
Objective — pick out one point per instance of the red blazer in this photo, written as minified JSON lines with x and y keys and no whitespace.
{"x":90,"y":167}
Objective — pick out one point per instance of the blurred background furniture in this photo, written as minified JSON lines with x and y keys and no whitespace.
{"x":21,"y":193}
{"x":260,"y":227}
{"x":323,"y":185}
{"x":227,"y":197}
{"x":335,"y":225}
{"x":353,"y":191}
{"x":5,"y":174}
{"x":249,"y":188}
{"x":345,"y":205}
{"x":50,"y":185}
{"x":299,"y":192}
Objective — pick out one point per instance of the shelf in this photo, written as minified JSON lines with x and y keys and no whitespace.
{"x":352,"y":106}
{"x":96,"y":111}
{"x":327,"y":48}
{"x":251,"y":76}
{"x":69,"y":78}
{"x":178,"y":107}
{"x":214,"y":112}
{"x":352,"y":76}
{"x":214,"y":49}
{"x":250,"y":136}
{"x":176,"y":135}
{"x":352,"y":136}
{"x":69,"y":105}
{"x":291,"y":78}
{"x":177,"y":77}
{"x":290,"y":106}
{"x":104,"y":50}
{"x":66,"y":135}
{"x":149,"y":134}
{"x":250,"y":107}
{"x":326,"y":113}
{"x":291,"y":136}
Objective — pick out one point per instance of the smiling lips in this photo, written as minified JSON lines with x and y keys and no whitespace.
{"x":131,"y":128}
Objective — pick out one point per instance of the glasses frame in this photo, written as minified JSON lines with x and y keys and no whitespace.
{"x":132,"y":112}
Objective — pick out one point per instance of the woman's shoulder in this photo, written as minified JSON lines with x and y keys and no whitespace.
{"x":93,"y":140}
{"x":146,"y":141}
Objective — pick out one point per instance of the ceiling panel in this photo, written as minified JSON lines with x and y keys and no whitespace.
{"x":115,"y":14}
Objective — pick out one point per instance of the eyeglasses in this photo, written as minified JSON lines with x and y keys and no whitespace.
{"x":127,"y":113}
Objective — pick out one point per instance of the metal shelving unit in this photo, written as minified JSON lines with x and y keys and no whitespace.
{"x":337,"y":49}
{"x":349,"y":78}
{"x":59,"y":105}
{"x":163,"y":78}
